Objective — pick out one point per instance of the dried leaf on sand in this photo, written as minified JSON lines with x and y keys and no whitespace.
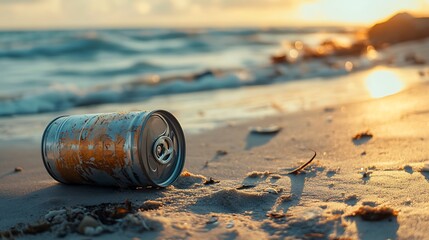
{"x":280,"y":214}
{"x":362,"y":137}
{"x":369,"y":213}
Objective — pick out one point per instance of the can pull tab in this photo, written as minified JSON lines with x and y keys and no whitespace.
{"x":163,"y":149}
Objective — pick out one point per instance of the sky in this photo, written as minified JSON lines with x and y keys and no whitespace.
{"x":34,"y":14}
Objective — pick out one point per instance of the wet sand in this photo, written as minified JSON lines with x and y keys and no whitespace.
{"x":255,"y":197}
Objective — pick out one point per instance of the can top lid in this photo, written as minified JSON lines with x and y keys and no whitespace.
{"x":162,"y":148}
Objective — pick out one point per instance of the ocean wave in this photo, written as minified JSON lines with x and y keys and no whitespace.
{"x":162,"y":35}
{"x":76,"y":46}
{"x":135,"y":68}
{"x":60,"y":97}
{"x":84,"y":44}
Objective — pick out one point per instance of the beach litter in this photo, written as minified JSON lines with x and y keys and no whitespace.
{"x":369,"y":213}
{"x":298,"y":169}
{"x":271,"y":190}
{"x":276,"y":215}
{"x":105,"y":149}
{"x":211,"y":181}
{"x":30,"y":229}
{"x":365,"y":172}
{"x":362,"y":137}
{"x":266,"y":130}
{"x":151,"y":205}
{"x":245,"y":186}
{"x":213,"y":219}
{"x":230,"y":224}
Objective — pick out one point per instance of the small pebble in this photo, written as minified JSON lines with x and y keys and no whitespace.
{"x":230,"y":224}
{"x":18,"y":169}
{"x":93,"y":231}
{"x":271,"y":190}
{"x":88,"y":222}
{"x":213,"y":219}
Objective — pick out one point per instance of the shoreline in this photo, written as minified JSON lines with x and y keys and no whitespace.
{"x":202,"y":111}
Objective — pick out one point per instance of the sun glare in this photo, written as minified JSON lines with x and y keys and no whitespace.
{"x":356,"y":12}
{"x":381,"y":83}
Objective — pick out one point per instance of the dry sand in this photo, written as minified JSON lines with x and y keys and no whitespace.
{"x":255,"y":198}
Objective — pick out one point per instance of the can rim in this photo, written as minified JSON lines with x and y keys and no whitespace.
{"x":43,"y":147}
{"x":181,"y":155}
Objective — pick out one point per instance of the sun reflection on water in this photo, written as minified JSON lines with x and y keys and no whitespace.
{"x":382,"y":82}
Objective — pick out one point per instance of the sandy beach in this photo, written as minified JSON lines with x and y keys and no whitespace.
{"x":251,"y":195}
{"x":302,"y":119}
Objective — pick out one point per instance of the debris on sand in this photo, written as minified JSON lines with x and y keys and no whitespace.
{"x":245,"y":186}
{"x":211,"y":181}
{"x":297,"y":170}
{"x":256,"y":174}
{"x":365,"y":172}
{"x":220,"y":153}
{"x":212,"y":220}
{"x":271,"y":190}
{"x":273,"y":129}
{"x":18,"y":169}
{"x":230,"y":224}
{"x":151,"y":205}
{"x":91,"y":220}
{"x":31,"y":229}
{"x":37,"y":228}
{"x":89,"y":226}
{"x":276,"y":215}
{"x":362,"y":137}
{"x":368,"y":213}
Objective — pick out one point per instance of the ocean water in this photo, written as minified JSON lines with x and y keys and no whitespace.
{"x":52,"y":71}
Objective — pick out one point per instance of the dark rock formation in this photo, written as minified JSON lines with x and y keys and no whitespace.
{"x":400,"y":28}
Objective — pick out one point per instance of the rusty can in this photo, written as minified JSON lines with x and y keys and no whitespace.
{"x":135,"y":149}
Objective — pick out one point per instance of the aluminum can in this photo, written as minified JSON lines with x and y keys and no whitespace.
{"x":135,"y":149}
